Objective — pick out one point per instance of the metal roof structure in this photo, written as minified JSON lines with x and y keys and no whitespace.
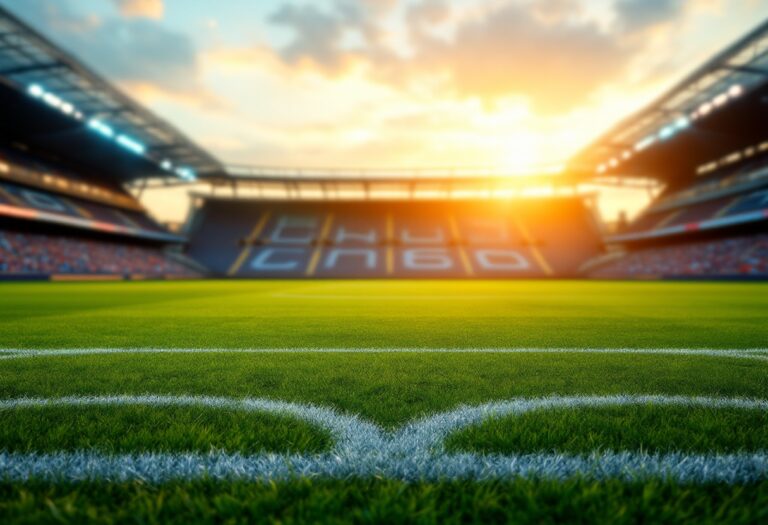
{"x":718,"y":108}
{"x":249,"y":182}
{"x":258,"y":174}
{"x":82,"y":111}
{"x":373,"y":183}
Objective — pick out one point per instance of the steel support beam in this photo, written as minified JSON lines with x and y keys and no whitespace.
{"x":31,"y":68}
{"x":752,"y":70}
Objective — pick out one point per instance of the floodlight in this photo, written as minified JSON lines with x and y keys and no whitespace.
{"x":131,"y":144}
{"x":36,"y":90}
{"x":102,"y":128}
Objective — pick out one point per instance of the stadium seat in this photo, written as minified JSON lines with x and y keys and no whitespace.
{"x":408,"y":239}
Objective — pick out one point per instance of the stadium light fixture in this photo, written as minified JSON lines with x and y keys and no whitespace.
{"x":52,"y":100}
{"x":36,"y":90}
{"x":720,"y":100}
{"x":125,"y":141}
{"x":666,"y":132}
{"x":683,"y":122}
{"x":645,"y":143}
{"x":705,"y":108}
{"x":186,"y":174}
{"x":131,"y":144}
{"x":67,"y":108}
{"x":102,"y":128}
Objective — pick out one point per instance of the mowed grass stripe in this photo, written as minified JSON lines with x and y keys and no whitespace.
{"x":384,"y":501}
{"x":649,"y":428}
{"x":388,"y":388}
{"x":144,"y":428}
{"x":376,"y":314}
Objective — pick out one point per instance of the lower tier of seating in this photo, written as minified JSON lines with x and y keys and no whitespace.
{"x":741,"y":256}
{"x":25,"y":254}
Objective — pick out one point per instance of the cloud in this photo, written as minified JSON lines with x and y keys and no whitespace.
{"x":544,"y":51}
{"x":139,"y":49}
{"x":141,"y":8}
{"x":317,"y":35}
{"x":637,"y":15}
{"x":331,"y":38}
{"x":132,"y":50}
{"x":511,"y":51}
{"x":428,"y":13}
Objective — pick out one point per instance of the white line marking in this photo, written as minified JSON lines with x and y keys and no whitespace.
{"x":362,"y":449}
{"x":757,"y":354}
{"x":341,"y":297}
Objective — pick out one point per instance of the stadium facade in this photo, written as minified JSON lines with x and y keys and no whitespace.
{"x":75,"y":153}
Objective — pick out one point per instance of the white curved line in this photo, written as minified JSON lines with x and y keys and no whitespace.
{"x":350,"y":433}
{"x":430,"y":433}
{"x":364,"y":450}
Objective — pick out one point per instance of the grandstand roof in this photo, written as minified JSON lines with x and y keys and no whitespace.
{"x":60,"y":105}
{"x":375,"y":183}
{"x":257,"y":174}
{"x":717,"y":109}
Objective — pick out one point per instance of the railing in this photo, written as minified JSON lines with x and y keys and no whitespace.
{"x":384,"y":174}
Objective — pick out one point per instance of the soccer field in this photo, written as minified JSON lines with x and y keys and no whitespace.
{"x":386,"y":401}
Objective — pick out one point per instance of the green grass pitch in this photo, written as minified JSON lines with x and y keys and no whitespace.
{"x":368,"y":383}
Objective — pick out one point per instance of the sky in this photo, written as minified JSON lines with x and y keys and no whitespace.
{"x":509,"y":84}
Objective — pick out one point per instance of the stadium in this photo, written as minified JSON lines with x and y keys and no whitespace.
{"x":373,"y":344}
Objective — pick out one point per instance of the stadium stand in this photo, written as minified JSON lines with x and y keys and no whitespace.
{"x":704,"y":143}
{"x":540,"y":237}
{"x":75,"y":154}
{"x":24,"y":202}
{"x":59,"y":223}
{"x":72,"y":147}
{"x":713,"y":229}
{"x":24,"y":254}
{"x":723,"y":201}
{"x":729,"y":257}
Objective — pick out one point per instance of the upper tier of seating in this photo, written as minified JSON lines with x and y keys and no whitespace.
{"x":21,"y":202}
{"x":525,"y":238}
{"x":25,"y":169}
{"x":748,"y":207}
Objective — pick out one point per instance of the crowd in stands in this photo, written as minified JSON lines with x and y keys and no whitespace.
{"x":738,"y":256}
{"x":27,"y":254}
